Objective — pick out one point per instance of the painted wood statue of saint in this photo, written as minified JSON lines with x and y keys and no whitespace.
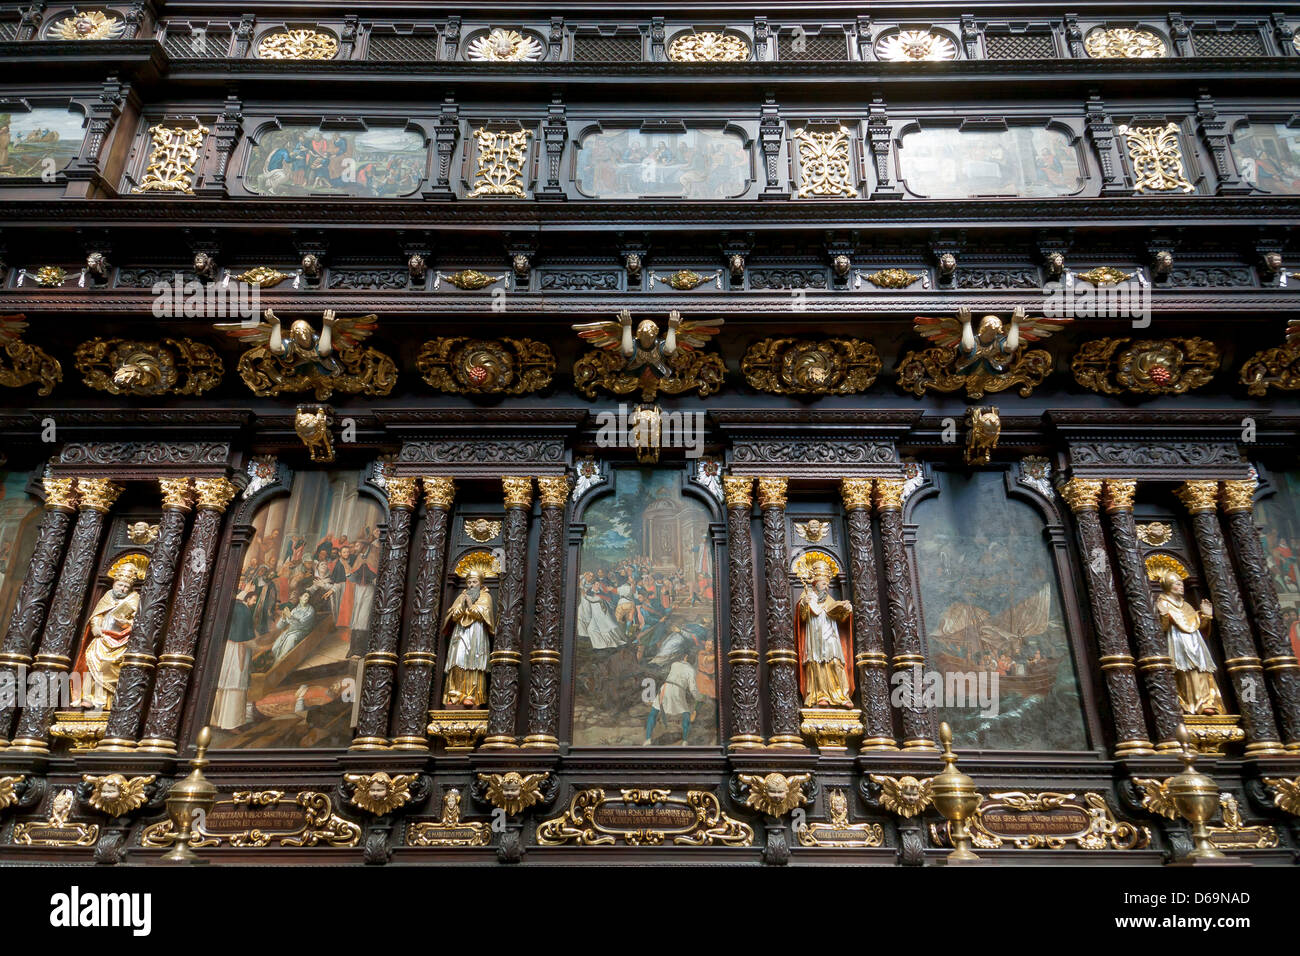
{"x":1198,"y":691}
{"x":472,"y":621}
{"x":823,"y":636}
{"x":111,"y":621}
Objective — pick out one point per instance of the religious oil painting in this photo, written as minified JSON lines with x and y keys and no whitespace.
{"x":646,"y":655}
{"x":695,"y":164}
{"x":300,"y":618}
{"x":1268,"y":156}
{"x":993,"y":619}
{"x":306,"y":161}
{"x":39,"y":143}
{"x":948,"y":163}
{"x":1278,"y":517}
{"x":20,"y":519}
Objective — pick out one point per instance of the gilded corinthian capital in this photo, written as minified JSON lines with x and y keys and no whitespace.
{"x":889,"y":494}
{"x":176,"y":494}
{"x":439,"y":492}
{"x":214,"y":494}
{"x":856,"y":493}
{"x":771,"y":492}
{"x":518,"y":492}
{"x":60,"y":494}
{"x":1239,"y":495}
{"x":1198,"y":496}
{"x":1119,"y":494}
{"x":403,"y":493}
{"x":738,"y":490}
{"x":97,"y":494}
{"x":553,"y":490}
{"x":1082,"y":494}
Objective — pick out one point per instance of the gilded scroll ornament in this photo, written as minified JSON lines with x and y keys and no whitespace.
{"x":892,"y":278}
{"x":838,"y":831}
{"x":650,"y":817}
{"x":312,"y":423}
{"x":505,"y":366}
{"x":774,"y":794}
{"x":1145,"y":366}
{"x":513,"y":791}
{"x":378,"y":793}
{"x":1157,"y":158}
{"x":471,"y":280}
{"x":57,"y":829}
{"x":172,"y":366}
{"x":825,"y":163}
{"x":1104,"y":275}
{"x":788,"y":366}
{"x":983,"y":427}
{"x":625,"y":361}
{"x":26,"y":363}
{"x":501,"y":155}
{"x":905,"y":796}
{"x":298,"y":45}
{"x":264,"y":277}
{"x":708,"y":47}
{"x":50,"y":277}
{"x":1277,"y":367}
{"x":173,"y":156}
{"x":482,"y":530}
{"x":915,"y":46}
{"x":987,"y":358}
{"x":449,"y":829}
{"x":305,"y":820}
{"x":1234,"y":834}
{"x":305,"y":360}
{"x":114,"y":794}
{"x":684,"y":280}
{"x":91,"y":25}
{"x":1124,"y":43}
{"x":504,"y":46}
{"x":1013,"y":817}
{"x":1286,"y":794}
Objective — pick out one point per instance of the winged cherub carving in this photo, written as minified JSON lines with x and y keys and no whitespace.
{"x":645,"y":359}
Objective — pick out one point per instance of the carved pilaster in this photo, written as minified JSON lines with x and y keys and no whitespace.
{"x":1214,"y":131}
{"x":548,"y":619}
{"x":140,"y":657}
{"x":880,"y":139}
{"x":555,"y":132}
{"x":415,"y":684}
{"x":1279,"y":658}
{"x":34,"y":595}
{"x":771,"y":133}
{"x":782,"y":660}
{"x":54,"y":656}
{"x":380,"y":666}
{"x":1101,"y":132}
{"x":1083,"y":496}
{"x":1154,"y":663}
{"x":917,"y":730}
{"x":746,"y":722}
{"x":445,"y":136}
{"x":176,"y":662}
{"x":868,"y":627}
{"x":503,"y":695}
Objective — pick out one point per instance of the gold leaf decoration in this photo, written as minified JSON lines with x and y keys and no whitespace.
{"x":298,"y":45}
{"x":1157,"y":158}
{"x":263,"y":277}
{"x":172,"y":366}
{"x":788,"y":366}
{"x":470,"y":279}
{"x":172,"y":159}
{"x":708,"y":47}
{"x":1145,"y":366}
{"x":501,"y":155}
{"x":1104,"y":275}
{"x":91,"y":25}
{"x":1124,"y":43}
{"x":504,"y":366}
{"x":892,"y":278}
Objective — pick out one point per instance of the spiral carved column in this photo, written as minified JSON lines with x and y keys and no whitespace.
{"x":1083,"y":495}
{"x":902,"y":614}
{"x":34,"y":595}
{"x":868,"y":629}
{"x":58,"y":640}
{"x":782,"y":660}
{"x":503,"y":662}
{"x":176,"y":662}
{"x":1241,"y":659}
{"x":380,"y":666}
{"x":1154,"y":662}
{"x":544,"y":658}
{"x":742,"y":655}
{"x":1279,"y":660}
{"x":415,"y":682}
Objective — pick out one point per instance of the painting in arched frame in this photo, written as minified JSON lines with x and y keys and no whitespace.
{"x":20,"y":518}
{"x":1278,"y":518}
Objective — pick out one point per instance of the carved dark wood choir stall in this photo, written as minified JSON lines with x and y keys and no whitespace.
{"x":824,"y":435}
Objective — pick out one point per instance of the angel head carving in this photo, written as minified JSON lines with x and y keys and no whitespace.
{"x":906,"y":796}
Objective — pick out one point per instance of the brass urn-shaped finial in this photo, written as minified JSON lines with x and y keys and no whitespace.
{"x":1196,"y":797}
{"x":192,"y":793}
{"x":954,"y":795}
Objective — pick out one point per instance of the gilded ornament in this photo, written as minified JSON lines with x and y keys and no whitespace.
{"x":738,"y":491}
{"x":1145,"y":366}
{"x":461,"y":729}
{"x":954,"y":795}
{"x":214,"y":494}
{"x":644,"y":817}
{"x":1154,"y":533}
{"x":142,"y":532}
{"x":1277,"y":367}
{"x":81,"y":729}
{"x":450,"y":829}
{"x":501,"y":155}
{"x":830,"y":728}
{"x":1036,"y":473}
{"x":135,"y":565}
{"x":482,"y":530}
{"x":9,"y":790}
{"x":989,"y":357}
{"x":553,"y":490}
{"x":172,"y":366}
{"x":502,"y":366}
{"x":1104,"y":275}
{"x":708,"y":47}
{"x":890,"y":494}
{"x":1235,"y":835}
{"x":518,"y":492}
{"x":1286,"y":794}
{"x":403,"y":493}
{"x":50,"y":276}
{"x":1124,"y":43}
{"x":378,"y":793}
{"x":1198,"y":496}
{"x":60,"y":493}
{"x":892,"y":278}
{"x":91,"y":25}
{"x":264,"y":277}
{"x":1119,"y":494}
{"x":1158,"y":565}
{"x":1082,"y":494}
{"x":775,"y":794}
{"x":97,"y":494}
{"x":772,"y":492}
{"x":983,"y":428}
{"x":1157,"y":158}
{"x":513,"y":791}
{"x":812,"y":530}
{"x":788,"y":366}
{"x":1190,"y":795}
{"x":298,"y":45}
{"x":838,"y":831}
{"x":439,"y":492}
{"x":904,"y":796}
{"x":1239,"y":495}
{"x":172,"y":158}
{"x":996,"y":819}
{"x":624,"y":361}
{"x":57,"y":829}
{"x":915,"y":46}
{"x":470,"y":279}
{"x":504,"y":46}
{"x":312,"y":423}
{"x":114,"y":795}
{"x":825,"y":163}
{"x":684,"y":280}
{"x":856,"y":493}
{"x":317,"y":823}
{"x":26,"y":363}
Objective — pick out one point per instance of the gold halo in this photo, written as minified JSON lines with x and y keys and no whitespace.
{"x":139,"y":562}
{"x":484,"y":562}
{"x":1158,"y":564}
{"x":803,"y":565}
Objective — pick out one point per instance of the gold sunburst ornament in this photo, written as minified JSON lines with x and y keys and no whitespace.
{"x":504,"y":46}
{"x":1158,"y":565}
{"x":92,"y":25}
{"x":804,"y":566}
{"x":482,"y":563}
{"x":915,"y":46}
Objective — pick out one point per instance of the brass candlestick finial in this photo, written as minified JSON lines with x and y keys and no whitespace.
{"x":1196,"y":798}
{"x":192,"y":793}
{"x":954,"y":795}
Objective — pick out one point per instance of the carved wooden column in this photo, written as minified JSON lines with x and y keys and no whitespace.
{"x":380,"y":666}
{"x":415,"y":684}
{"x":746,"y":721}
{"x":544,"y":658}
{"x":1241,"y":659}
{"x":1154,"y":662}
{"x":141,"y":655}
{"x":1280,"y":661}
{"x":782,"y":660}
{"x":34,"y":596}
{"x":868,"y":631}
{"x":902,"y":615}
{"x":54,"y":656}
{"x":1116,"y":660}
{"x":503,"y":695}
{"x":176,"y":662}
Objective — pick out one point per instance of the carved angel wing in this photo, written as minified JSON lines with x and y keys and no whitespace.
{"x":1286,"y":793}
{"x":1034,"y":330}
{"x":348,"y":333}
{"x":695,"y":333}
{"x":603,"y":335}
{"x":1292,"y":331}
{"x":251,"y":335}
{"x":942,"y":331}
{"x":11,"y":327}
{"x":1155,"y":798}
